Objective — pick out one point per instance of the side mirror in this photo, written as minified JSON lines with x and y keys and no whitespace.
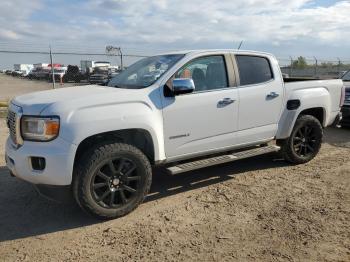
{"x":183,"y":86}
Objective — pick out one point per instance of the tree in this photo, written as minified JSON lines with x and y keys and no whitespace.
{"x":300,"y":63}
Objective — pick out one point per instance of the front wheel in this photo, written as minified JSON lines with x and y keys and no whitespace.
{"x":112,"y":180}
{"x":304,"y":142}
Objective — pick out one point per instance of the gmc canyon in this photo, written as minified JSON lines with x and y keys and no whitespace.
{"x":182,"y":111}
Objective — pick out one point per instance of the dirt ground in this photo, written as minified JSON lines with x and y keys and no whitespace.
{"x":258,"y":209}
{"x":14,"y":86}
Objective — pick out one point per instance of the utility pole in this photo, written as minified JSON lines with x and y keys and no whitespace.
{"x":240,"y":44}
{"x":316,"y":65}
{"x":121,"y":57}
{"x":339,"y":64}
{"x":52,"y":70}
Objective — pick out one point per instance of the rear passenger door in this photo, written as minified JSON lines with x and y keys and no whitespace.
{"x":260,"y":95}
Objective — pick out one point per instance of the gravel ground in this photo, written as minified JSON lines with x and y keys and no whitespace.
{"x":259,"y":209}
{"x":14,"y":86}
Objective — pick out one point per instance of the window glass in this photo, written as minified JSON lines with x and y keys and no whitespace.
{"x":145,"y":72}
{"x":208,"y":73}
{"x":346,"y":76}
{"x":253,"y":69}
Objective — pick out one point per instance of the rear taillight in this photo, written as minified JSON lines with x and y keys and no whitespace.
{"x":342,"y":96}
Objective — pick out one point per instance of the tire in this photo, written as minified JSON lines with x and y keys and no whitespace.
{"x":304,"y":142}
{"x":111,"y":180}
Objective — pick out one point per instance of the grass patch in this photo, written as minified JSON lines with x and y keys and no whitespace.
{"x":4,"y":104}
{"x":3,"y":112}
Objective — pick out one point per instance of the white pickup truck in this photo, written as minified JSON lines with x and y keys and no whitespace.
{"x":183,"y":111}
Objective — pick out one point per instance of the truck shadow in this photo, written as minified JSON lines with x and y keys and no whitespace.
{"x":166,"y":185}
{"x":339,"y":137}
{"x":24,"y":213}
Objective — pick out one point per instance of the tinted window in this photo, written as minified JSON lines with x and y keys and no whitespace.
{"x":208,"y":73}
{"x":253,"y":69}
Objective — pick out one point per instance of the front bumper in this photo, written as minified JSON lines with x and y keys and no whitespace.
{"x":346,"y":115}
{"x":59,"y":157}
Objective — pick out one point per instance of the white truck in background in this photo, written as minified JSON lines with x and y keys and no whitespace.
{"x":183,"y":111}
{"x":87,"y":66}
{"x":23,"y":69}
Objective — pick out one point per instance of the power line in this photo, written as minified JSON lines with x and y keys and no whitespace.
{"x":66,"y":53}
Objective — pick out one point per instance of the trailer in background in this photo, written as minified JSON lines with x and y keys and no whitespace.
{"x":22,"y":69}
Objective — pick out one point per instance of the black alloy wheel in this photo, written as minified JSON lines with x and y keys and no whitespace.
{"x":111,"y":180}
{"x":115,"y":183}
{"x":305,"y":141}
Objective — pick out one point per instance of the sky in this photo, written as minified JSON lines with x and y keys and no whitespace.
{"x":310,"y":28}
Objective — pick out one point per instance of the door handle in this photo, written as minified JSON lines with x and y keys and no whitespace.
{"x":272,"y":95}
{"x":226,"y":101}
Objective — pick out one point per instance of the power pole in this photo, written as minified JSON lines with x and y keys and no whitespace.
{"x":52,"y":70}
{"x":291,"y":66}
{"x":240,"y":44}
{"x":121,"y":58}
{"x":316,"y":65}
{"x":339,"y":64}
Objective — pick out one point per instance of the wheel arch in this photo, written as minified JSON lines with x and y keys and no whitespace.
{"x":289,"y":118}
{"x":318,"y":112}
{"x":138,"y":137}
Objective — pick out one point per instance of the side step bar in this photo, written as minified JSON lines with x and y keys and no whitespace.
{"x":197,"y":164}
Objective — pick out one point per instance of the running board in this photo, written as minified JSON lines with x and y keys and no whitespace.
{"x":180,"y":168}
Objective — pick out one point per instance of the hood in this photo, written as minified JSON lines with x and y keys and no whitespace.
{"x":76,"y":97}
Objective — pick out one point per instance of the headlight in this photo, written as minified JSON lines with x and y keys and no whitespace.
{"x":39,"y":128}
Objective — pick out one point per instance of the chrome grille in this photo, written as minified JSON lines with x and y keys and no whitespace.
{"x":11,"y":123}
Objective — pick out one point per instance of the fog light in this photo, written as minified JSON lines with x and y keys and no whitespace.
{"x":38,"y":163}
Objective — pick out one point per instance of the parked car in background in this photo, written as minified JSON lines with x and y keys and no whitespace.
{"x":346,"y":107}
{"x":42,"y":73}
{"x":180,"y":111}
{"x":73,"y":74}
{"x":17,"y":73}
{"x":33,"y":74}
{"x":101,"y":75}
{"x":8,"y":72}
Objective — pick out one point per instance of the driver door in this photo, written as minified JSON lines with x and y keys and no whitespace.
{"x":205,"y":120}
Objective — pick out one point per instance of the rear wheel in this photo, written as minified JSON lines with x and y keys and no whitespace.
{"x":112,"y":180}
{"x":304,"y":142}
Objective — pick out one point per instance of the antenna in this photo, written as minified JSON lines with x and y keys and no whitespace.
{"x":240,"y":44}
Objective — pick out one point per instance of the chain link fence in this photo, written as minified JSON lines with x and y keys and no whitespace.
{"x":308,"y":67}
{"x":314,"y":67}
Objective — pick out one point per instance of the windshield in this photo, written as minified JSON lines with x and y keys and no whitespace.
{"x":144,"y":72}
{"x":346,"y":76}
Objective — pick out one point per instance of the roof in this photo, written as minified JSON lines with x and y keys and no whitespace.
{"x":199,"y":51}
